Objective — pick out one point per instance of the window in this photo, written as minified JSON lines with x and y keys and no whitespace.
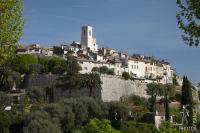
{"x":90,"y":33}
{"x":84,"y":32}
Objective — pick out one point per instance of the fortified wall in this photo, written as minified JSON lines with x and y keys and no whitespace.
{"x":113,"y":87}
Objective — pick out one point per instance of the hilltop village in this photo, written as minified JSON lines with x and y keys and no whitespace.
{"x":90,"y":56}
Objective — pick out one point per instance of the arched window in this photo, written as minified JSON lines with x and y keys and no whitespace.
{"x":90,"y":33}
{"x":84,"y":32}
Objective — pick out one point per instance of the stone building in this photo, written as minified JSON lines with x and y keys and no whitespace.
{"x":147,"y":69}
{"x":87,"y":39}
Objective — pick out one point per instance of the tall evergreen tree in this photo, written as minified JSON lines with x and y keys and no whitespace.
{"x":11,"y":27}
{"x":187,"y":98}
{"x":183,"y":96}
{"x":167,"y":116}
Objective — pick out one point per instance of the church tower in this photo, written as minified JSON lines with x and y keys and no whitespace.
{"x":87,"y":39}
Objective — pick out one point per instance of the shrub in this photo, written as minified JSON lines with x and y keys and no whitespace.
{"x":126,"y":75}
{"x":40,"y":122}
{"x":21,"y":63}
{"x":178,"y":97}
{"x":118,"y":112}
{"x":5,"y":100}
{"x":67,"y":121}
{"x":104,"y":69}
{"x":130,"y":126}
{"x":97,"y":126}
{"x":177,"y":115}
{"x":95,"y":69}
{"x":37,"y":94}
{"x":167,"y":127}
{"x":35,"y":69}
{"x":111,"y":72}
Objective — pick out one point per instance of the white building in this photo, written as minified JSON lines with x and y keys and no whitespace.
{"x":87,"y":39}
{"x":89,"y":56}
{"x":87,"y":65}
{"x":136,"y":68}
{"x":159,"y":118}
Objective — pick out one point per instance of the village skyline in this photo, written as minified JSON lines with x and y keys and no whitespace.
{"x":147,"y":28}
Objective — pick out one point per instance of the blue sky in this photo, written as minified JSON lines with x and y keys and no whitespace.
{"x":146,"y":27}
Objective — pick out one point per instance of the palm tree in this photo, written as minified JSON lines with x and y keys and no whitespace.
{"x":91,"y":81}
{"x":6,"y":80}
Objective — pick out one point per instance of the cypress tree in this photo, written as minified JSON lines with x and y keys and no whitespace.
{"x":189,"y":102}
{"x":183,"y":95}
{"x":186,"y":98}
{"x":167,"y":117}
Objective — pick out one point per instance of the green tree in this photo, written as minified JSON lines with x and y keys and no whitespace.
{"x":97,"y":126}
{"x":5,"y":100}
{"x":40,"y":122}
{"x":11,"y":27}
{"x":71,"y":79}
{"x":81,"y":114}
{"x":67,"y":121}
{"x":131,"y":126}
{"x":17,"y":123}
{"x":154,"y":90}
{"x":133,"y":100}
{"x":35,"y":68}
{"x":95,"y":69}
{"x":169,"y":92}
{"x":167,"y":127}
{"x":21,"y":63}
{"x":5,"y":122}
{"x":186,"y":98}
{"x":178,"y":96}
{"x":175,"y":82}
{"x":44,"y":62}
{"x":188,"y":20}
{"x":6,"y":80}
{"x":166,"y":105}
{"x":176,"y":113}
{"x":111,"y":72}
{"x":55,"y":111}
{"x":50,"y":93}
{"x":118,"y":113}
{"x":104,"y":69}
{"x":37,"y":94}
{"x":91,"y":81}
{"x":55,"y":65}
{"x":126,"y":75}
{"x":96,"y":107}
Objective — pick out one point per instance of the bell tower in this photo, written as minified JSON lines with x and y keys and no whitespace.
{"x":87,"y":39}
